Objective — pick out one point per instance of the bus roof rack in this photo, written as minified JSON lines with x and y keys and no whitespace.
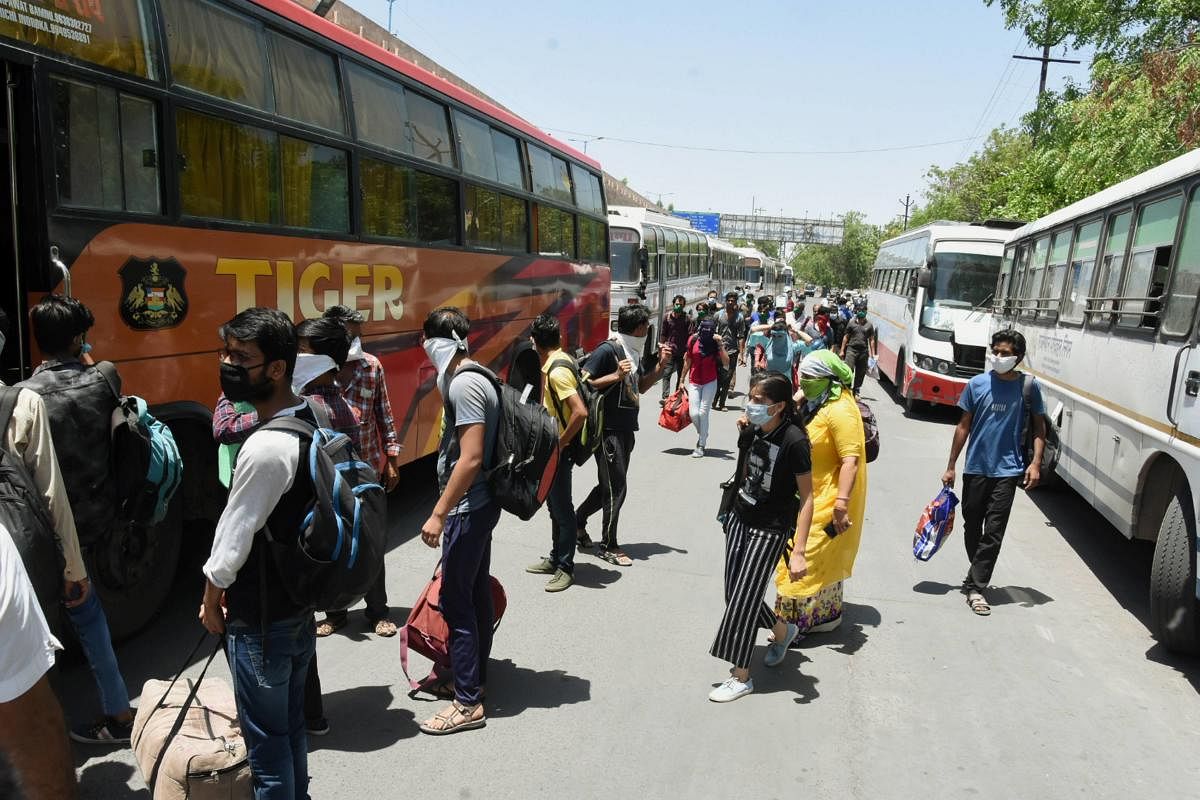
{"x":1004,"y":224}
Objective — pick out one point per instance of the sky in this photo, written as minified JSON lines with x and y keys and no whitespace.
{"x":794,"y":79}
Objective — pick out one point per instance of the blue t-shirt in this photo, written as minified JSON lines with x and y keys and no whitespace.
{"x":997,"y":406}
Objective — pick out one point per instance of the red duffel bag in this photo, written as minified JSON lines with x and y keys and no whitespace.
{"x":675,"y":415}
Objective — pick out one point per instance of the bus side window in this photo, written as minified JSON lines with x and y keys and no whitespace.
{"x":1150,"y":256}
{"x":1113,"y":262}
{"x":1185,"y":285}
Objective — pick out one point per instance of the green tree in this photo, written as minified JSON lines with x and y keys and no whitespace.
{"x":1120,"y":30}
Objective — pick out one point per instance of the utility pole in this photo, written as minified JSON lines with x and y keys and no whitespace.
{"x":907,"y":201}
{"x":1046,"y":62}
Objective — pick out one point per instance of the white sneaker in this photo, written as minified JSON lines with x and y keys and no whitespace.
{"x":826,"y":627}
{"x":731,"y":690}
{"x":698,"y":452}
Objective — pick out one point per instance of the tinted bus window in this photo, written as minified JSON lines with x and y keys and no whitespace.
{"x":1114,"y":256}
{"x":404,"y":203}
{"x":475,"y":144}
{"x":1150,"y":258}
{"x":379,"y":110}
{"x":550,"y":176}
{"x":316,"y":190}
{"x":105,"y":148}
{"x":1056,"y":272}
{"x":591,"y":239}
{"x":227,"y":170}
{"x":118,"y":35}
{"x":306,"y":84}
{"x":437,"y":209}
{"x":587,"y":190}
{"x":556,"y":232}
{"x":218,"y":52}
{"x":429,"y":129}
{"x":1185,"y":286}
{"x":508,"y":160}
{"x":494,"y":221}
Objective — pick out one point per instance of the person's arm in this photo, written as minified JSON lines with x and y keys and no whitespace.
{"x":961,"y":432}
{"x":267,"y":467}
{"x":386,"y":423}
{"x":841,"y":506}
{"x":724,"y":356}
{"x":873,"y":342}
{"x":231,"y":426}
{"x":575,"y":424}
{"x":687,"y":362}
{"x":612,"y":375}
{"x":845,"y":343}
{"x":1033,"y":473}
{"x":28,"y":436}
{"x":797,"y":564}
{"x":470,"y":461}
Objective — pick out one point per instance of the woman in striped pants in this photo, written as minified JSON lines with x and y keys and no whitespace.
{"x":774,"y":498}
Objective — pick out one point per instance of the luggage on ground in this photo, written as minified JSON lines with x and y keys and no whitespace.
{"x":676,"y":414}
{"x":525,"y":458}
{"x":427,"y":633}
{"x":1051,"y":449}
{"x":145,"y":458}
{"x":335,"y":557}
{"x":187,"y":740}
{"x":937,"y":520}
{"x":23,"y":511}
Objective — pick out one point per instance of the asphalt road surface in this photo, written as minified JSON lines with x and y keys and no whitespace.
{"x":601,"y":691}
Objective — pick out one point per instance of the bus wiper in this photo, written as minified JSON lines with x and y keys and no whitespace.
{"x":982,"y":303}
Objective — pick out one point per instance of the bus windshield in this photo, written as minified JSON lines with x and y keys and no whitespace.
{"x":961,"y":282}
{"x":623,"y":247}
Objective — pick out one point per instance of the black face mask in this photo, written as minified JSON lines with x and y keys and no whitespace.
{"x":237,"y":386}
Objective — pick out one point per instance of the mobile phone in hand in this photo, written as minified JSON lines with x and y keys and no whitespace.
{"x":831,"y":530}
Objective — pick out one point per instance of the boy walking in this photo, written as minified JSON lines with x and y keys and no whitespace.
{"x":465,"y":514}
{"x":994,"y":412}
{"x":562,"y":399}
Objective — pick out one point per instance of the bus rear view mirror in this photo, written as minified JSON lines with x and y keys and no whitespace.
{"x":925,"y":276}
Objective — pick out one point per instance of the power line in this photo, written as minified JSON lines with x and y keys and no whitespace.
{"x":741,"y":151}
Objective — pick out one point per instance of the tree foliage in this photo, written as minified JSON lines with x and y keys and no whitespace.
{"x":847,"y":264}
{"x":1142,"y":108}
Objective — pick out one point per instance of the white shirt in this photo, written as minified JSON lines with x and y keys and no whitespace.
{"x":266,"y":469}
{"x":28,"y":650}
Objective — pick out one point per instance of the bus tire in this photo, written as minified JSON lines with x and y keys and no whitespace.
{"x":134,"y":571}
{"x":1173,"y":576}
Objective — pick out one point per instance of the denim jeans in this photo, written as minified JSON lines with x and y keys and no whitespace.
{"x":91,"y":626}
{"x":562,"y":518}
{"x":467,"y":597}
{"x":270,"y":701}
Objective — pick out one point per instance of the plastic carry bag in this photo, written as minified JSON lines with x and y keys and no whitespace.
{"x":935,"y":524}
{"x":873,"y":368}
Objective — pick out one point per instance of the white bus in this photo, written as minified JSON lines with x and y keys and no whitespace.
{"x":655,"y":257}
{"x":1105,"y":291}
{"x":930,"y":300}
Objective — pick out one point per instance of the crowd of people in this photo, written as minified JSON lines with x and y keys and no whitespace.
{"x":793,"y":511}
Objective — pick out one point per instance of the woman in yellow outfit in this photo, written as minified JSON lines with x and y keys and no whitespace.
{"x":839,"y":475}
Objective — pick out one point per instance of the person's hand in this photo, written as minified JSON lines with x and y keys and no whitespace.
{"x":624,"y":367}
{"x":665,"y":350}
{"x":948,"y":478}
{"x":1033,"y":476}
{"x":76,"y":592}
{"x":391,"y":476}
{"x":431,"y":531}
{"x":841,"y":517}
{"x":212,"y":617}
{"x":742,"y":422}
{"x":797,"y":566}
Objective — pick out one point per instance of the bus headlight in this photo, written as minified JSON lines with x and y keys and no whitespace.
{"x":931,"y":364}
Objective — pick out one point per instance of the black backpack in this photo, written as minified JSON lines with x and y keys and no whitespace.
{"x":1050,"y":451}
{"x":23,"y":511}
{"x":870,"y":428}
{"x":591,"y":435}
{"x":335,"y":557}
{"x":526,"y":450}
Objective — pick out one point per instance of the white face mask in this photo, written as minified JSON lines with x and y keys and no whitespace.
{"x":442,"y":351}
{"x":1001,"y":364}
{"x":309,"y":367}
{"x":356,"y":351}
{"x":634,"y":346}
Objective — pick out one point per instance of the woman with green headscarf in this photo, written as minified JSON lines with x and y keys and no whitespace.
{"x":839,"y":475}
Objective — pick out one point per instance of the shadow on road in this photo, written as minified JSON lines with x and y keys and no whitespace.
{"x":678,"y":451}
{"x":361,"y":722}
{"x":593,"y":576}
{"x":788,"y":677}
{"x":850,"y":636}
{"x":926,"y":412}
{"x":1023,"y":596}
{"x":1186,"y":666}
{"x":513,"y":689}
{"x":643,"y":551}
{"x":107,"y":780}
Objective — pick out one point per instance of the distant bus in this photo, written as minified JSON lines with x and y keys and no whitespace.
{"x":173,"y":162}
{"x":1105,"y":292}
{"x":930,"y":300}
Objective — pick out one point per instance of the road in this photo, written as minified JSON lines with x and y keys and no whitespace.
{"x":601,"y":691}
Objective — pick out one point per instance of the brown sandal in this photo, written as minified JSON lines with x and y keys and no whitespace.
{"x":978,"y":604}
{"x":457,"y":717}
{"x":328,"y":626}
{"x":385,"y":628}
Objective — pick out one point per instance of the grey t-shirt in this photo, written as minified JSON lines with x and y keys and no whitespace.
{"x":469,"y":398}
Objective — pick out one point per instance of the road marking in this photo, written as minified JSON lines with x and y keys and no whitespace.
{"x":1045,"y":632}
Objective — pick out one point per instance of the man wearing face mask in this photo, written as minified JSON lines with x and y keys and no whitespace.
{"x":618,"y":361}
{"x":994,"y":415}
{"x":258,"y":362}
{"x":465,"y":514}
{"x":858,"y":346}
{"x":676,"y":328}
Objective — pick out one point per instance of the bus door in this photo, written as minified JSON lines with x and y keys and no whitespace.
{"x":1183,"y":410}
{"x":22,"y":219}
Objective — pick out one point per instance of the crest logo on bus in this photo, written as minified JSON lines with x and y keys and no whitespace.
{"x":152,"y":293}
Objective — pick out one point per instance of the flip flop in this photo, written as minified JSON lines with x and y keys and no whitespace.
{"x":615,"y":557}
{"x":978,"y":604}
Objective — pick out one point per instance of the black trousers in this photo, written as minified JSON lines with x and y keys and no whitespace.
{"x":724,"y":378}
{"x":676,"y":369}
{"x":612,"y":464}
{"x":857,"y":361}
{"x":986,"y":503}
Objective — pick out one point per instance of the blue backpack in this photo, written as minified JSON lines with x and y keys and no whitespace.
{"x":146,"y":463}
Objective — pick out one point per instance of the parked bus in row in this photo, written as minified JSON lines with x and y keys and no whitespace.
{"x":185,"y":159}
{"x":930,"y":300}
{"x":1105,"y":293}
